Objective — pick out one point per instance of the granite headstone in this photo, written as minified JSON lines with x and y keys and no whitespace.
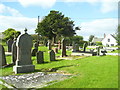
{"x":9,"y":43}
{"x":14,"y":52}
{"x":40,"y":57}
{"x":52,"y":55}
{"x":2,"y":56}
{"x":24,"y":62}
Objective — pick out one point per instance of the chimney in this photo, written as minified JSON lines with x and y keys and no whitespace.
{"x":104,"y":35}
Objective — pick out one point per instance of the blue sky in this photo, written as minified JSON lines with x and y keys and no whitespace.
{"x":95,"y":17}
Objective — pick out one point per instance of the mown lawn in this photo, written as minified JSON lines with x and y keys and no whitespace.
{"x":115,"y":51}
{"x":88,"y":72}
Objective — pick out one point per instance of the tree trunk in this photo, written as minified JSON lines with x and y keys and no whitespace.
{"x":49,"y":44}
{"x":63,"y":48}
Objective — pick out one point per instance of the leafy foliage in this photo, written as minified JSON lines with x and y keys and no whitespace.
{"x":11,"y":33}
{"x":76,"y":39}
{"x":91,"y":38}
{"x":118,"y":35}
{"x":55,"y":23}
{"x":99,"y":43}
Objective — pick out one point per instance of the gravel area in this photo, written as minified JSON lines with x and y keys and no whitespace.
{"x":34,"y":80}
{"x":113,"y":54}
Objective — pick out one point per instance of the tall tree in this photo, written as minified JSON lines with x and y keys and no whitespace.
{"x":91,"y":38}
{"x":118,"y":35}
{"x":10,"y":33}
{"x":56,"y":24}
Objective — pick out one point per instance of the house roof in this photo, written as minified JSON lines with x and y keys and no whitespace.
{"x":113,"y":36}
{"x":95,"y":39}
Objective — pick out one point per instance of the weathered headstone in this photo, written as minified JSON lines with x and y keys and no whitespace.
{"x":56,"y":50}
{"x":103,"y":52}
{"x":52,"y":55}
{"x":75,"y":48}
{"x":24,"y":62}
{"x":90,"y":44}
{"x":40,"y":57}
{"x":64,"y":48}
{"x":2,"y":56}
{"x":9,"y":43}
{"x":36,"y":44}
{"x":49,"y":44}
{"x":84,"y":47}
{"x":14,"y":52}
{"x":34,"y":51}
{"x":98,"y":51}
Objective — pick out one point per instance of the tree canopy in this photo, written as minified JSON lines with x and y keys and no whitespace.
{"x":55,"y":23}
{"x":11,"y":33}
{"x":118,"y":35}
{"x":91,"y":38}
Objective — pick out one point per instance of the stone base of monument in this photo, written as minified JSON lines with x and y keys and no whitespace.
{"x":23,"y":68}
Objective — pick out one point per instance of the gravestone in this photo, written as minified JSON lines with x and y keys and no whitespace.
{"x":52,"y":55}
{"x":49,"y":44}
{"x":40,"y":57}
{"x":90,"y":44}
{"x":9,"y":43}
{"x":63,"y":48}
{"x":14,"y":51}
{"x":34,"y":51}
{"x":75,"y":48}
{"x":103,"y":52}
{"x":2,"y":57}
{"x":56,"y":50}
{"x":98,"y":51}
{"x":84,"y":47}
{"x":36,"y":44}
{"x":24,"y":62}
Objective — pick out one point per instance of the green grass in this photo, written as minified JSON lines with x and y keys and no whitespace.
{"x":4,"y":44}
{"x":3,"y":87}
{"x":116,"y":51}
{"x":89,"y":72}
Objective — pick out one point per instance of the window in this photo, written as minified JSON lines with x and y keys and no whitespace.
{"x":108,"y":40}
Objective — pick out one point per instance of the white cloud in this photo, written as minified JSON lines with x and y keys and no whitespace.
{"x":42,"y":3}
{"x":106,"y":5}
{"x":8,"y":0}
{"x":98,"y":27}
{"x":5,"y":9}
{"x":109,"y":6}
{"x":18,"y":23}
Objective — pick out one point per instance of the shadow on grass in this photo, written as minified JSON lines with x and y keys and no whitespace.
{"x":8,"y":65}
{"x":58,"y":60}
{"x":51,"y":69}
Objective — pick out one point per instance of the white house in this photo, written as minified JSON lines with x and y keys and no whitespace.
{"x":109,"y":40}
